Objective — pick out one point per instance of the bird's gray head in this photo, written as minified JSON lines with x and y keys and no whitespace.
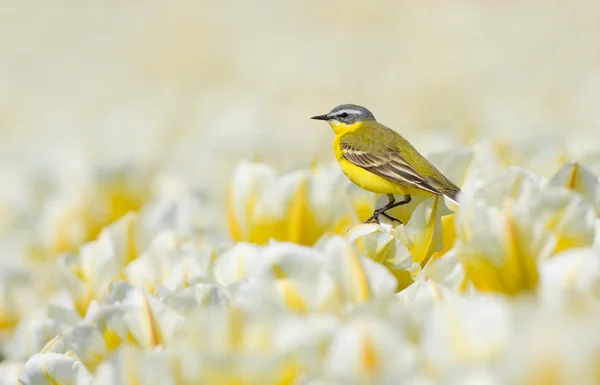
{"x":347,"y":113}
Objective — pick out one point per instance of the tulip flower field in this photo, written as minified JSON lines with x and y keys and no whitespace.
{"x":169,"y":214}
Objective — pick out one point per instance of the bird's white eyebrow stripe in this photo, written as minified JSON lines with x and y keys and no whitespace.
{"x":355,"y":112}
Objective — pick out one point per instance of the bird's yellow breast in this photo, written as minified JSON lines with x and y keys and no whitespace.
{"x":366,"y":179}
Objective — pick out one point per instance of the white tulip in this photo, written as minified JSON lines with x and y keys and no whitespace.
{"x":54,"y":369}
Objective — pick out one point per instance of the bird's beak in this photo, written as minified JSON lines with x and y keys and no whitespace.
{"x":321,"y":117}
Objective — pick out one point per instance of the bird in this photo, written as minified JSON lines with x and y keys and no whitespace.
{"x":378,"y":159}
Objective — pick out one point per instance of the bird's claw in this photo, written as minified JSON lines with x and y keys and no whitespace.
{"x":391,"y":218}
{"x":374,"y":218}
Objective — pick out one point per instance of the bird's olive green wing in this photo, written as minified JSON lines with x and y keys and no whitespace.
{"x":384,"y":162}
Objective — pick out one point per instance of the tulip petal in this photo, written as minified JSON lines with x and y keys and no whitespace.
{"x":54,"y":369}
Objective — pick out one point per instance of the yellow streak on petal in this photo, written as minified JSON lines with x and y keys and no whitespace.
{"x":8,"y":320}
{"x":236,"y":329}
{"x":151,"y":323}
{"x":240,"y":267}
{"x":131,"y":244}
{"x":302,"y":227}
{"x":249,"y":231}
{"x":278,"y":271}
{"x":369,"y":356}
{"x":292,"y":298}
{"x":119,"y":199}
{"x":421,"y":251}
{"x":112,"y":339}
{"x":570,"y":275}
{"x":404,"y":278}
{"x":61,"y":242}
{"x":565,"y":241}
{"x":503,"y":150}
{"x":122,"y":200}
{"x":363,"y":206}
{"x":448,"y":235}
{"x":130,"y":369}
{"x":437,"y":293}
{"x":47,"y":375}
{"x":382,"y":253}
{"x":464,"y":284}
{"x":342,"y":226}
{"x":573,"y":177}
{"x":561,"y":158}
{"x":484,"y":275}
{"x":131,"y":339}
{"x":521,"y":267}
{"x":213,"y":255}
{"x":234,"y":227}
{"x":517,"y":271}
{"x":289,"y":373}
{"x":82,"y":303}
{"x":265,"y":228}
{"x":464,"y":234}
{"x":362,"y":289}
{"x":50,"y":344}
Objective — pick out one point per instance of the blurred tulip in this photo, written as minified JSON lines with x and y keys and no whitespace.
{"x":195,"y":295}
{"x":369,"y":350}
{"x":301,"y":279}
{"x":382,"y":244}
{"x":15,"y":299}
{"x":570,"y":219}
{"x":54,"y":369}
{"x":578,"y":178}
{"x":550,"y":344}
{"x":298,"y":207}
{"x":468,"y":333}
{"x":290,"y":277}
{"x":361,"y":279}
{"x":405,"y":248}
{"x":424,"y":232}
{"x":572,"y":274}
{"x":244,"y":347}
{"x":447,"y":271}
{"x":145,"y":319}
{"x":130,"y":365}
{"x":101,"y":262}
{"x":417,"y":303}
{"x":78,"y":214}
{"x":116,"y":144}
{"x":9,"y":372}
{"x":499,"y":242}
{"x":170,"y":260}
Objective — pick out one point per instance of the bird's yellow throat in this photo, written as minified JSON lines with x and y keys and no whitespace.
{"x":340,"y":128}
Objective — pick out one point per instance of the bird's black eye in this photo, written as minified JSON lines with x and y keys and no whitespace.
{"x":344,"y":115}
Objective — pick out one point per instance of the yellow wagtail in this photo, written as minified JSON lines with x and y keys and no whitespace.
{"x":378,"y":159}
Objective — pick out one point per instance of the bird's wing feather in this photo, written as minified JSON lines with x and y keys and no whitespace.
{"x":388,"y":164}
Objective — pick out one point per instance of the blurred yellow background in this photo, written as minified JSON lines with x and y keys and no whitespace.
{"x":194,"y":86}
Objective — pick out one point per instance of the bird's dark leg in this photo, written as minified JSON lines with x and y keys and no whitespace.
{"x":406,"y":200}
{"x":377,"y":212}
{"x":391,"y":218}
{"x":390,"y":205}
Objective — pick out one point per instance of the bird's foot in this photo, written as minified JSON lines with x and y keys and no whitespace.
{"x":391,"y":218}
{"x":374,"y":218}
